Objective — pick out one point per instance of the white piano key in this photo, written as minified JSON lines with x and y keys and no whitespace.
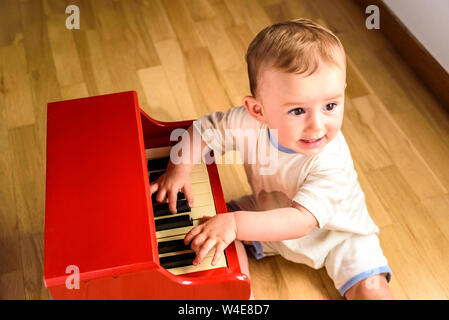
{"x":177,"y":231}
{"x":204,"y":265}
{"x":172,"y":215}
{"x":175,"y":237}
{"x":174,"y":253}
{"x":199,"y":212}
{"x":199,"y":176}
{"x":200,"y":187}
{"x":155,"y":153}
{"x":199,"y":167}
{"x":203,"y":199}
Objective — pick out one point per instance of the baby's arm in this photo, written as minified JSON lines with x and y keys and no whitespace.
{"x":274,"y":225}
{"x":271,"y":225}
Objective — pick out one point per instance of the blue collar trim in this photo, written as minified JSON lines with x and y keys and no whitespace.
{"x":277,"y":145}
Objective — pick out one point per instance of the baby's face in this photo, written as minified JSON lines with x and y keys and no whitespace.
{"x":307,"y":111}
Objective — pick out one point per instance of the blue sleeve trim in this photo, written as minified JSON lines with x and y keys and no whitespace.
{"x":364,"y":275}
{"x":256,"y":250}
{"x":232,"y":206}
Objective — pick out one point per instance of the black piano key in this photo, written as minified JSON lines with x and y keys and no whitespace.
{"x":177,"y":221}
{"x":161,"y":209}
{"x":158,"y":164}
{"x":154,"y":195}
{"x":172,"y":246}
{"x":179,"y":260}
{"x":155,"y":175}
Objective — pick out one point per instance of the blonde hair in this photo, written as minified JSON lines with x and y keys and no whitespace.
{"x":297,"y":46}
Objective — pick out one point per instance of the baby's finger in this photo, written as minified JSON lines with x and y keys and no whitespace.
{"x":205,"y":248}
{"x":189,"y":194}
{"x":192,"y":234}
{"x":198,"y":242}
{"x":172,"y":199}
{"x":218,"y":253}
{"x":161,"y":195}
{"x":153,"y":188}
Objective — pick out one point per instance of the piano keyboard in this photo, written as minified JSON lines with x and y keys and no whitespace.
{"x":172,"y":228}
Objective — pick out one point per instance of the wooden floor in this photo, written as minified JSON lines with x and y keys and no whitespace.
{"x":185,"y":58}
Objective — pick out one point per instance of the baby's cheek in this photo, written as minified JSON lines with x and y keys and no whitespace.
{"x":292,"y":134}
{"x":333,"y":131}
{"x":289,"y":140}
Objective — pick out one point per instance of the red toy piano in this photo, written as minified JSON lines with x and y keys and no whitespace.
{"x":105,"y":236}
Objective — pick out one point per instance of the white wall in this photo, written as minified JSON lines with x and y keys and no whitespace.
{"x":428,"y":21}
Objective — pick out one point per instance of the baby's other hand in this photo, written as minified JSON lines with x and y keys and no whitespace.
{"x":214,"y":232}
{"x":175,"y":179}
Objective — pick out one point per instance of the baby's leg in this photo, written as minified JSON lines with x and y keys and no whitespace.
{"x":372,"y":288}
{"x":359,"y":268}
{"x":243,"y":261}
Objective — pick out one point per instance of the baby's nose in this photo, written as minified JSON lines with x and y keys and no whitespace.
{"x":315,"y":124}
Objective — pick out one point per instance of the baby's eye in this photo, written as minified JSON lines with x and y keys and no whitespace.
{"x":330,"y":106}
{"x":296,"y":111}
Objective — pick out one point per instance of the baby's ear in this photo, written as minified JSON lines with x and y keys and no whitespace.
{"x":254,"y":108}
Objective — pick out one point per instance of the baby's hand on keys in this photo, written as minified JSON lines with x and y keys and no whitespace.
{"x":213,"y":232}
{"x":175,"y":179}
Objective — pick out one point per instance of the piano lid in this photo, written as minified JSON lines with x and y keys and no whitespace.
{"x":97,"y":203}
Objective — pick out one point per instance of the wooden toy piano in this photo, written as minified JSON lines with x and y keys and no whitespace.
{"x":102,"y":154}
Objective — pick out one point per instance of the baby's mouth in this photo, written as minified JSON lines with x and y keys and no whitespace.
{"x":313,"y":140}
{"x":312,"y":144}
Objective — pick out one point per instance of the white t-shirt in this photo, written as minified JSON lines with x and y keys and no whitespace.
{"x":326,"y":184}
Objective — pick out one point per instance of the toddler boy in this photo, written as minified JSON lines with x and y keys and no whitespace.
{"x":307,"y":204}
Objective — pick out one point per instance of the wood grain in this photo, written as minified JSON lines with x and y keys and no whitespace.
{"x":186,"y":58}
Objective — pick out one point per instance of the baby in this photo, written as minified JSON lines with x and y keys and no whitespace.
{"x":309,"y":206}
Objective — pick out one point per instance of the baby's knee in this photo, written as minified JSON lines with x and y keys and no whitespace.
{"x":372,"y":288}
